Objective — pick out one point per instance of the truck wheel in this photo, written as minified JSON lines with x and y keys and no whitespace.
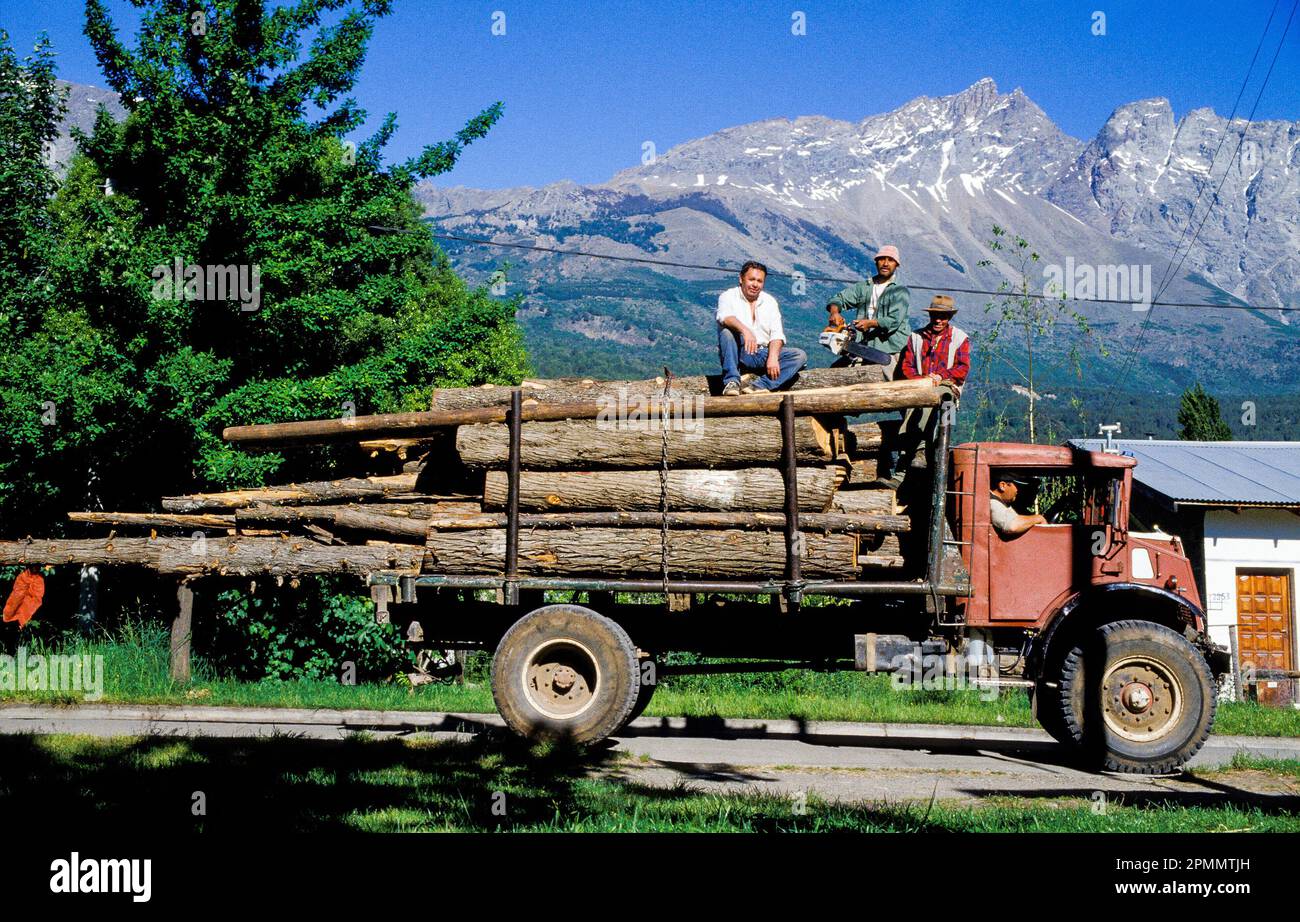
{"x":645,"y":691}
{"x":564,"y":672}
{"x":1137,"y":697}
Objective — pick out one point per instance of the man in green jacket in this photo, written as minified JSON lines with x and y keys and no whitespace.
{"x":882,"y":306}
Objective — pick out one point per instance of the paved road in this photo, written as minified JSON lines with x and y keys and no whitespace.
{"x":835,"y":760}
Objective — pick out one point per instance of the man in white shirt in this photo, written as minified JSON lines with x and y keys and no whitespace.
{"x":751,"y":338}
{"x":1004,"y":518}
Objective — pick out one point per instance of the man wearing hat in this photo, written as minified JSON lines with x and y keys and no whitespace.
{"x":882,"y":306}
{"x":1008,"y":522}
{"x":938,"y":351}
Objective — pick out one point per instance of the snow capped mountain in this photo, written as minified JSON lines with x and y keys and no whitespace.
{"x":818,"y":196}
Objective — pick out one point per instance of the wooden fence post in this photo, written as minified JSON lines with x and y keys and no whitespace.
{"x":182,"y":633}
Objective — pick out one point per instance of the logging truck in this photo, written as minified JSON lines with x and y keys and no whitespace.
{"x":584,"y":549}
{"x":1102,"y":626}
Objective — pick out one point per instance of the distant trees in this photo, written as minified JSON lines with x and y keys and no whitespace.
{"x":1200,"y":418}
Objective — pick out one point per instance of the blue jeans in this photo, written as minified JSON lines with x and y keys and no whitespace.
{"x":735,"y":360}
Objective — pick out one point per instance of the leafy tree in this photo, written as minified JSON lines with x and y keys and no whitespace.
{"x":1199,"y":417}
{"x":232,"y":154}
{"x":1024,"y":329}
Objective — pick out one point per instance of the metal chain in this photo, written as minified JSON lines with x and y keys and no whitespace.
{"x":663,"y":481}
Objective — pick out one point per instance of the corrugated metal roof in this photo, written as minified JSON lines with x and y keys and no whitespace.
{"x":1215,"y":473}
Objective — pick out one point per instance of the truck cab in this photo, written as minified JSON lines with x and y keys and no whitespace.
{"x":1112,"y":620}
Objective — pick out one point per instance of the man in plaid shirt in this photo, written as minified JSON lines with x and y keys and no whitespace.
{"x":940,"y":352}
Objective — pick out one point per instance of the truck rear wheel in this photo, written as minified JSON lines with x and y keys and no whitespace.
{"x":1137,"y":697}
{"x":564,"y":672}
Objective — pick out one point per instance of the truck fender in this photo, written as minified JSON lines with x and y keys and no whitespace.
{"x":1192,"y":614}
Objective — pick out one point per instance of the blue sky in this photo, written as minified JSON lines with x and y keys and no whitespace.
{"x":583,"y":88}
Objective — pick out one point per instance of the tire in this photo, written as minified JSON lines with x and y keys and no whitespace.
{"x":645,"y":691}
{"x":565,"y":673}
{"x":1136,"y":697}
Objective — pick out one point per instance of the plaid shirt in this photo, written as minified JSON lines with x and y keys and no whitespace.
{"x":934,"y":357}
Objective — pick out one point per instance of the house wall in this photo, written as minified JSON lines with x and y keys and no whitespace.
{"x":1264,"y":539}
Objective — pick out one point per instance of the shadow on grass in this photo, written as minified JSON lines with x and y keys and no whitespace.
{"x":287,"y":784}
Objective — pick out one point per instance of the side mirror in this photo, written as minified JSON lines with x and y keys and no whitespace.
{"x":1114,"y":518}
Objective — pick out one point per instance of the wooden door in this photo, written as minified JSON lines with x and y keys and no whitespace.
{"x":1265,"y":634}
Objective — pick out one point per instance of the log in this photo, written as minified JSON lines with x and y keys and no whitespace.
{"x":863,"y":502}
{"x":568,"y":390}
{"x":861,"y":471}
{"x":811,"y":521}
{"x":863,"y":398}
{"x":720,"y":491}
{"x":154,"y":519}
{"x":237,"y":555}
{"x":322,"y":491}
{"x":865,"y":439}
{"x":288,"y":515}
{"x":584,"y":444}
{"x":612,"y":552}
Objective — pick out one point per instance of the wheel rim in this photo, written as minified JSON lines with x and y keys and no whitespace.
{"x":1142,"y":699}
{"x":561,"y":678}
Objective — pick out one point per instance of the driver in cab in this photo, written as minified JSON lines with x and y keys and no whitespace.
{"x":1002,"y":497}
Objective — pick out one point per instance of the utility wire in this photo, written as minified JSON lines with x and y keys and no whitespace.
{"x":1146,"y":321}
{"x":732,"y":270}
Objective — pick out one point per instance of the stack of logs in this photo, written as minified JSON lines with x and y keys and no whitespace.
{"x":591,"y":496}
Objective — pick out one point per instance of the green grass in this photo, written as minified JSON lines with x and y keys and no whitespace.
{"x":419,"y":786}
{"x":136,"y":672}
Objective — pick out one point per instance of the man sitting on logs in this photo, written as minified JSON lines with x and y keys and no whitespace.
{"x":938,"y":351}
{"x":750,"y":337}
{"x":882,"y":306}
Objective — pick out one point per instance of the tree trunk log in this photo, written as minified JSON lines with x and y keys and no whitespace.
{"x":568,"y":390}
{"x":154,"y":519}
{"x":612,"y":552}
{"x":584,"y":444}
{"x":808,"y":521}
{"x":862,"y":398}
{"x":237,"y":556}
{"x":720,"y":491}
{"x":863,"y":502}
{"x":322,"y":491}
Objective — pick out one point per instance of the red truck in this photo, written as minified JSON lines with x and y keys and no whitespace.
{"x":1103,"y":627}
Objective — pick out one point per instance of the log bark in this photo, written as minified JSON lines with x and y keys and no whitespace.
{"x":154,"y":520}
{"x":863,"y":502}
{"x":237,"y":556}
{"x":861,"y":471}
{"x":721,"y":491}
{"x":867,"y":438}
{"x":612,"y":552}
{"x":863,"y":398}
{"x":585,"y":444}
{"x":568,"y":390}
{"x":809,"y":521}
{"x":322,"y":491}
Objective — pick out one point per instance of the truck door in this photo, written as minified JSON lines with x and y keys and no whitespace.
{"x":1028,"y":572}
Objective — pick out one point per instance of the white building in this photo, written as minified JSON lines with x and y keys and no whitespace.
{"x":1236,"y":505}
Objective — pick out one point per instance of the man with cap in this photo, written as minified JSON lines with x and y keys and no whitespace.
{"x":938,"y":351}
{"x":1005,"y":519}
{"x":881,"y":305}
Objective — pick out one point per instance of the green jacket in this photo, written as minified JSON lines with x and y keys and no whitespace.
{"x":891,"y":311}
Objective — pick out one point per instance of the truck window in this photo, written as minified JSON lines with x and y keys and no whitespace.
{"x":1071,"y":499}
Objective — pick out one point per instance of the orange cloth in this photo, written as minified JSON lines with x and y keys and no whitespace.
{"x":29,"y":590}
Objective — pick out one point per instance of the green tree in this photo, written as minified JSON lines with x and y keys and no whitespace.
{"x":1199,"y":417}
{"x":1022,"y":339}
{"x":232,"y":154}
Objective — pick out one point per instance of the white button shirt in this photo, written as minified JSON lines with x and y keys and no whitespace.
{"x":764,"y":318}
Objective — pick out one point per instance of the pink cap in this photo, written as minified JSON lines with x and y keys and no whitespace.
{"x":890,"y":251}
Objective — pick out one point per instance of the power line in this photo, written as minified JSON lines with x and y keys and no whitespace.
{"x":732,"y":270}
{"x":1141,"y":338}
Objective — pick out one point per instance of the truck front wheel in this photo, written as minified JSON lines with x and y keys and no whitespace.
{"x":564,"y":672}
{"x":1136,"y":697}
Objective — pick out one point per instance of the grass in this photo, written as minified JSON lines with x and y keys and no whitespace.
{"x":423,"y":786}
{"x":135,"y":671}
